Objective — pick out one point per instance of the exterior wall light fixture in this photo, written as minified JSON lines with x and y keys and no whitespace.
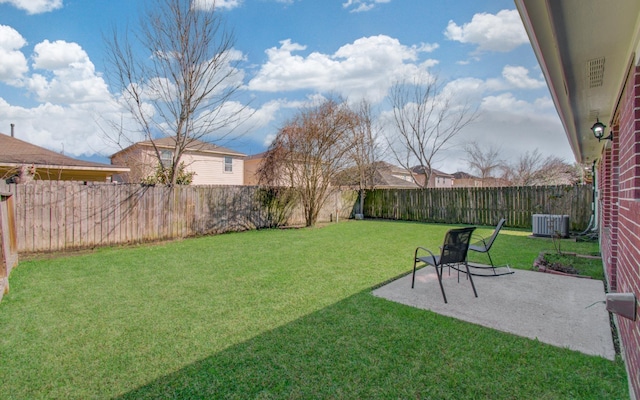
{"x":598,"y":131}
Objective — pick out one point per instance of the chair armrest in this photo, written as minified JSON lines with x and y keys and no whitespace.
{"x":479,"y":239}
{"x":433,"y":256}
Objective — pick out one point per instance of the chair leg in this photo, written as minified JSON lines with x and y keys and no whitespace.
{"x":493,"y":267}
{"x":413,"y":278}
{"x":440,"y":282}
{"x":471,"y":279}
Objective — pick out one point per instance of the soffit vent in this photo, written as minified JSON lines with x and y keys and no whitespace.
{"x":595,"y":72}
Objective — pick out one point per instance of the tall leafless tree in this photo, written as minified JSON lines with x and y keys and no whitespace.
{"x":426,"y":120}
{"x":177,"y":75}
{"x":309,"y":152}
{"x":365,"y":151}
{"x":484,"y":160}
{"x":532,"y":168}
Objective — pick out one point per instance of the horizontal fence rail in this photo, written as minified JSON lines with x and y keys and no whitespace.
{"x":62,"y":215}
{"x":482,"y":206}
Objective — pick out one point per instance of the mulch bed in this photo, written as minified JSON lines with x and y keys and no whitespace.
{"x":542,"y":265}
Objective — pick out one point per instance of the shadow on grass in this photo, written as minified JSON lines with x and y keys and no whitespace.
{"x":366,"y":347}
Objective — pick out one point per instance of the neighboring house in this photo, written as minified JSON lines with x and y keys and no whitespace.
{"x":463,"y":179}
{"x":438,"y":179}
{"x":381,"y":175}
{"x":251,"y":166}
{"x":385,"y":175}
{"x":21,"y":161}
{"x":589,"y":52}
{"x":212,"y":164}
{"x":392,"y":176}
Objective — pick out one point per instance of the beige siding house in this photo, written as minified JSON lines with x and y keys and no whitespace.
{"x":251,"y":166}
{"x":438,"y":179}
{"x":212,"y":164}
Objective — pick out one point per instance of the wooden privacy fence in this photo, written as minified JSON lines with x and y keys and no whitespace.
{"x":482,"y":206}
{"x":62,"y":215}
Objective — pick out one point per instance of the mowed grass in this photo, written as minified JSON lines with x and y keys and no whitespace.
{"x":272,"y":314}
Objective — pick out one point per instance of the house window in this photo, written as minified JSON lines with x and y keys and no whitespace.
{"x":166,"y":157}
{"x":228,"y":164}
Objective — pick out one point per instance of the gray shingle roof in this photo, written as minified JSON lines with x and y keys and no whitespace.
{"x":16,"y":151}
{"x":194,"y":146}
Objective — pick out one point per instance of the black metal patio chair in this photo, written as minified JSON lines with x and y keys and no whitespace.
{"x":483,"y":246}
{"x":453,"y":253}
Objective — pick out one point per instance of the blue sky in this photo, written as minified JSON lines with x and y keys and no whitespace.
{"x":53,"y":84}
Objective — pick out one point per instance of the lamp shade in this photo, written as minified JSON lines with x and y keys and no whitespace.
{"x":598,"y":129}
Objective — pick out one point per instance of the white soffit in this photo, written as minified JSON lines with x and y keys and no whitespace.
{"x":584,"y":48}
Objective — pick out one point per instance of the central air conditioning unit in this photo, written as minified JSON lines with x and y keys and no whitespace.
{"x":548,"y":225}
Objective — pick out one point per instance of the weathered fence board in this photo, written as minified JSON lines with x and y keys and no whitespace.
{"x":482,"y":206}
{"x":59,"y":216}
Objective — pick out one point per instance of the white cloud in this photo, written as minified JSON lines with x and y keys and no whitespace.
{"x":58,"y":55}
{"x":362,"y":5}
{"x":211,"y":4}
{"x":69,"y":76}
{"x":366,"y":67}
{"x":500,"y":32}
{"x":519,"y":77}
{"x":514,"y":78}
{"x":35,"y":6}
{"x":70,"y":128}
{"x":14,"y":63}
{"x":70,"y":98}
{"x":505,"y":120}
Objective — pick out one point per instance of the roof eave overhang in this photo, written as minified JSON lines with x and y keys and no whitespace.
{"x":566,"y":37}
{"x":545,"y":47}
{"x":110,"y":170}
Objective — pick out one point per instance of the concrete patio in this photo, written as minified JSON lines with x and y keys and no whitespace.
{"x":558,"y":310}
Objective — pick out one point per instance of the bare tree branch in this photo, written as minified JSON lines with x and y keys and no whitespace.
{"x":484,"y":160}
{"x":426,"y":120}
{"x":178,"y":76}
{"x":309,"y":152}
{"x":532,"y":168}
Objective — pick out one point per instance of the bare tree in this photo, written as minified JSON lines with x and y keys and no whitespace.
{"x":309,"y":152}
{"x":365,"y":151}
{"x":532,"y":168}
{"x":426,"y":120}
{"x":522,"y":172}
{"x":484,"y":161}
{"x":177,"y":77}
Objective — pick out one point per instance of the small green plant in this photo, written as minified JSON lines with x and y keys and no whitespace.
{"x":278,"y":203}
{"x":574,"y":264}
{"x":162,"y":174}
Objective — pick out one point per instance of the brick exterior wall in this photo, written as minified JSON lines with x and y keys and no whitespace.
{"x":619,"y":185}
{"x":608,"y":218}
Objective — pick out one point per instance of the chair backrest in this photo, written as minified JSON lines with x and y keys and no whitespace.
{"x":456,"y":245}
{"x":495,"y":233}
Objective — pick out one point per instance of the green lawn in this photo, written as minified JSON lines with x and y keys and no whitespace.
{"x":272,"y":314}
